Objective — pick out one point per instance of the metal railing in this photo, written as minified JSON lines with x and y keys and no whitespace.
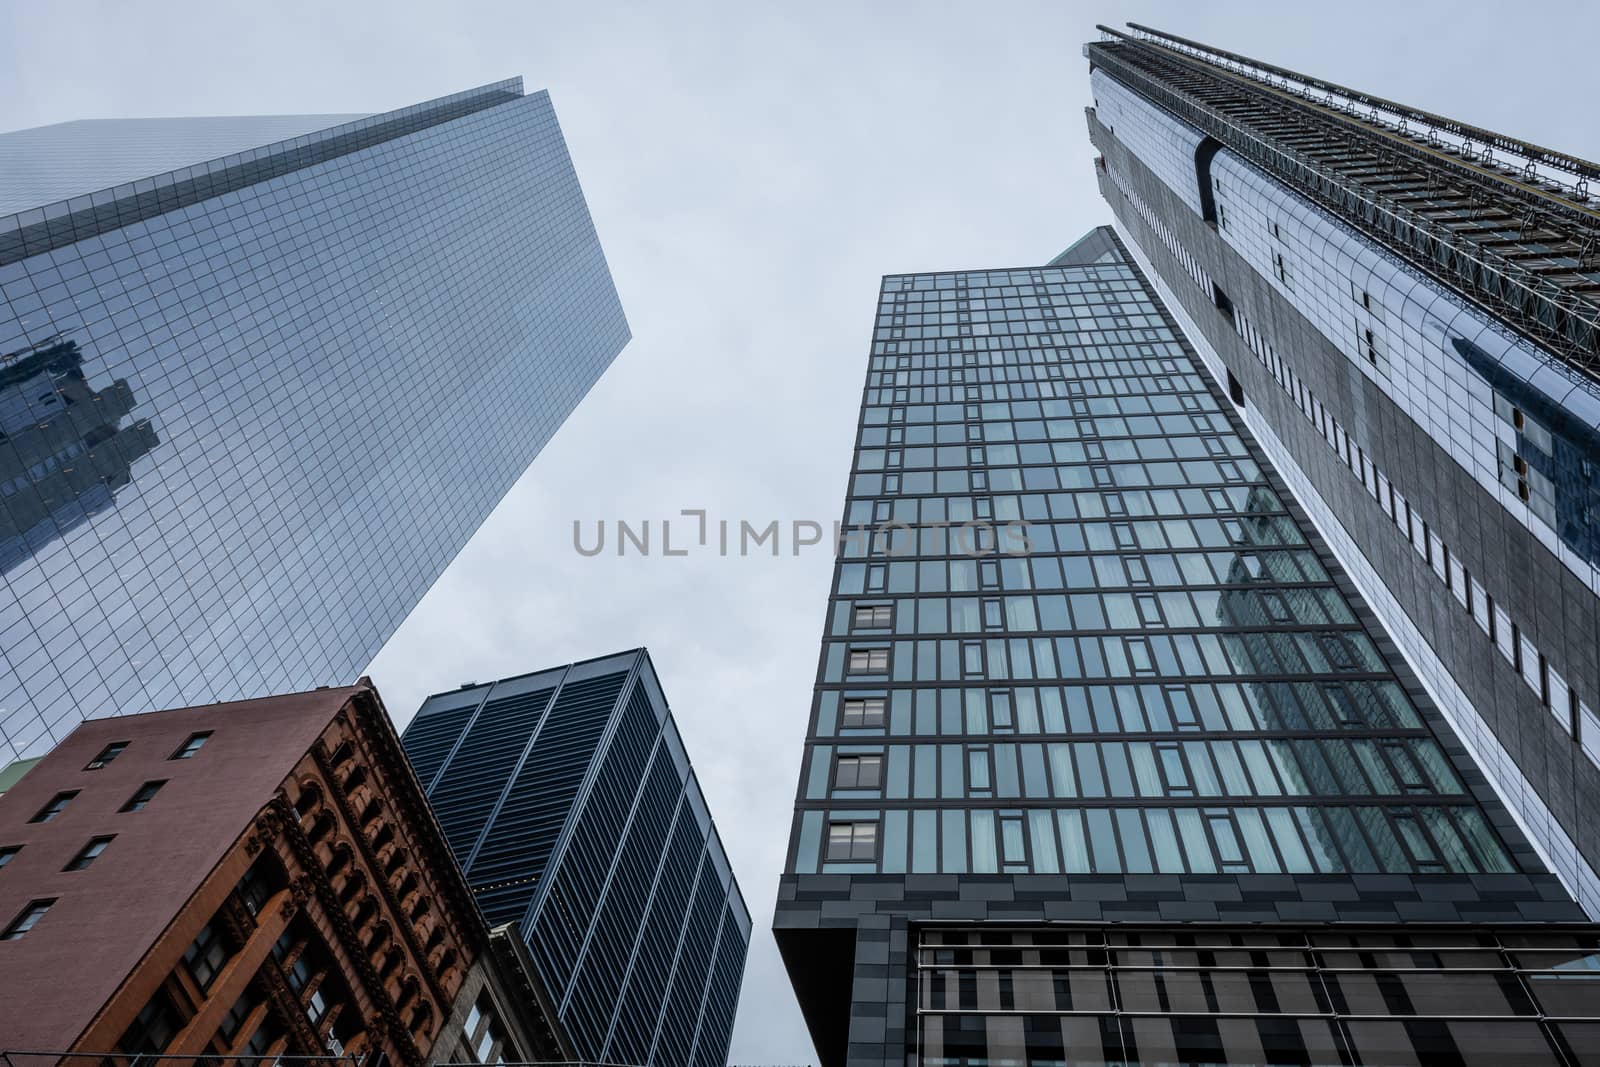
{"x":38,"y":1058}
{"x":1567,"y":323}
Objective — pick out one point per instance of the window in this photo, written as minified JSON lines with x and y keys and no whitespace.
{"x":469,"y":1032}
{"x":153,"y":1029}
{"x":89,"y":853}
{"x":235,"y":1019}
{"x":863,"y":713}
{"x":188,"y":749}
{"x":205,"y":956}
{"x":54,"y":808}
{"x":264,"y":878}
{"x":873,"y":616}
{"x":485,"y":1043}
{"x":143,"y":797}
{"x":869,"y":660}
{"x":7,"y":852}
{"x":107,"y":754}
{"x":858,"y":772}
{"x":27,"y":920}
{"x":852,"y":842}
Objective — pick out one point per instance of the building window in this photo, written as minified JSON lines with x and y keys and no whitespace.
{"x":89,"y":853}
{"x":235,"y":1019}
{"x":188,"y":749}
{"x":469,"y":1031}
{"x":54,"y":808}
{"x":858,"y":772}
{"x":27,"y":920}
{"x":145,"y":794}
{"x":873,"y":616}
{"x":154,"y":1028}
{"x":107,"y":754}
{"x":863,"y":713}
{"x":869,"y":660}
{"x":852,"y":842}
{"x":205,"y":956}
{"x":264,"y":878}
{"x":7,"y":852}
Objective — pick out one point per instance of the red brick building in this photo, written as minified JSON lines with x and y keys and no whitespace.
{"x":256,"y":878}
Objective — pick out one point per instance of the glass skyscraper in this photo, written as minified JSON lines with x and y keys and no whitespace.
{"x":1109,"y":762}
{"x":1407,"y":311}
{"x":570,"y":803}
{"x":261,"y":379}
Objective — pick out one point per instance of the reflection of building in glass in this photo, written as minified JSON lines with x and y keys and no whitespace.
{"x":63,"y":450}
{"x":1407,"y":310}
{"x":1158,"y":791}
{"x":353,"y":332}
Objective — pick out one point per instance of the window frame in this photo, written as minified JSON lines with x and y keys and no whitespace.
{"x":57,"y":804}
{"x":863,"y":834}
{"x":27,"y":919}
{"x":858,"y":761}
{"x":107,"y":754}
{"x":872,"y":711}
{"x":192,"y":745}
{"x":134,"y":803}
{"x":84,"y":858}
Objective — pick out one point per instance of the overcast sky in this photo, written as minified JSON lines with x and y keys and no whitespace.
{"x":752,"y":170}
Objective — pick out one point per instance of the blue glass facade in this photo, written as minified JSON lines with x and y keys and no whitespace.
{"x":251,"y":407}
{"x":571,"y":805}
{"x":1407,"y":306}
{"x":1104,"y":744}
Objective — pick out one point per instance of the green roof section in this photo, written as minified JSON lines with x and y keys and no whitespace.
{"x":14,"y":772}
{"x":1099,"y":245}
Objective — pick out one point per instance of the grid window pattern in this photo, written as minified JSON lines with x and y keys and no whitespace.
{"x":190,"y":513}
{"x":1457,"y":378}
{"x":570,"y":803}
{"x":1113,"y":648}
{"x":1180,"y":994}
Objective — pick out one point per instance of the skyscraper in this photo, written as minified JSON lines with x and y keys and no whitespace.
{"x":1407,"y":311}
{"x":1108,"y":760}
{"x":571,"y":805}
{"x":260,"y":380}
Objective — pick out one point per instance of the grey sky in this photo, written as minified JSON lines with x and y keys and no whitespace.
{"x":752,"y":170}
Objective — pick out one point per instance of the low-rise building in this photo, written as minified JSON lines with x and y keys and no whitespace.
{"x":260,"y":877}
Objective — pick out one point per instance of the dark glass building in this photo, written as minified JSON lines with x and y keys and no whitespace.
{"x":261,"y":379}
{"x":570,"y":803}
{"x":1407,"y":311}
{"x":1108,"y":760}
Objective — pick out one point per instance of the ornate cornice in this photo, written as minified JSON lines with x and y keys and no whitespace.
{"x":280,"y":995}
{"x":316,"y":881}
{"x":381,"y":746}
{"x":402,"y":921}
